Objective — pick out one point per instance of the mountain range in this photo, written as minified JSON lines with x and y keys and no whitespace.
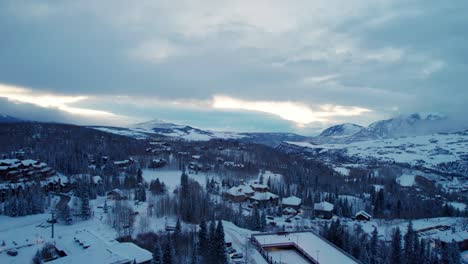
{"x":400,"y":126}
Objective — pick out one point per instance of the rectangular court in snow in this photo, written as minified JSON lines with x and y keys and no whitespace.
{"x":300,"y":247}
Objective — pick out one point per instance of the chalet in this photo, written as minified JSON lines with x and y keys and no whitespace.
{"x":265,"y":199}
{"x":123,"y":164}
{"x":157,"y":163}
{"x":196,"y":166}
{"x":449,"y":236}
{"x":291,"y":202}
{"x":323,"y":210}
{"x":260,"y":187}
{"x":116,"y":194}
{"x":289,"y":211}
{"x":97,"y":180}
{"x":233,"y":165}
{"x":362,"y":216}
{"x":239,"y":193}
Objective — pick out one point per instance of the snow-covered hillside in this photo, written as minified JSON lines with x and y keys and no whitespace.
{"x":8,"y":119}
{"x":346,"y":129}
{"x":405,"y":125}
{"x":148,"y":129}
{"x":160,"y":128}
{"x":444,"y":152}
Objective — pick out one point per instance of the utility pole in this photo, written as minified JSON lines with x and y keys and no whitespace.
{"x":52,"y":221}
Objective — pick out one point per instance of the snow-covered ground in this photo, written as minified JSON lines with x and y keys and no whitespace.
{"x":123,"y":132}
{"x":406,"y":180}
{"x":385,"y":228}
{"x":171,"y":178}
{"x":239,"y":236}
{"x":175,"y":131}
{"x":458,"y":205}
{"x":427,"y":150}
{"x":29,"y":233}
{"x":342,"y":171}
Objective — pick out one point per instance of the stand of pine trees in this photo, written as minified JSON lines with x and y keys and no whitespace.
{"x":25,"y":202}
{"x":406,"y":249}
{"x":211,"y":244}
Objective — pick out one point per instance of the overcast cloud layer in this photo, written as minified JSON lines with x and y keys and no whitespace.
{"x":234,"y":65}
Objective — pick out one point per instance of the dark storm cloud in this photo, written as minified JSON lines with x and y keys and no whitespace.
{"x":390,"y":57}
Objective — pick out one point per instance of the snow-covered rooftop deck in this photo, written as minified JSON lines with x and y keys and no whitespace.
{"x":314,"y":246}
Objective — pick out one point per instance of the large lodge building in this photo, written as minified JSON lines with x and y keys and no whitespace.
{"x":13,"y":170}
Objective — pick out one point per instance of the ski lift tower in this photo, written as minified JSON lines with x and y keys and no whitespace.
{"x":52,"y":221}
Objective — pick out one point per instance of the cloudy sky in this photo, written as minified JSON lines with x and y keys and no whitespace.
{"x":238,"y":65}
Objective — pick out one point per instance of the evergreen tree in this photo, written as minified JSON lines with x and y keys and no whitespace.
{"x":157,"y":254}
{"x":139,"y":176}
{"x":396,"y":252}
{"x":37,"y":258}
{"x":374,"y":246}
{"x":64,"y":214}
{"x":409,"y":240}
{"x":176,"y":236}
{"x":263,"y":222}
{"x":85,"y":209}
{"x":203,"y":239}
{"x":105,"y":207}
{"x":220,"y":244}
{"x":167,"y":254}
{"x":194,"y":256}
{"x":211,"y":257}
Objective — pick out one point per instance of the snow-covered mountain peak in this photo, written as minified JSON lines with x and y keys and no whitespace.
{"x":342,"y":130}
{"x":405,"y":125}
{"x":155,"y":123}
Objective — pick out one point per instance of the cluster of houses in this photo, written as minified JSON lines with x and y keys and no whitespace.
{"x":159,"y":147}
{"x":257,"y":194}
{"x":13,"y":170}
{"x":233,"y":165}
{"x":123,"y":164}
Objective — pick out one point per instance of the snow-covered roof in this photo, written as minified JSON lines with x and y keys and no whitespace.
{"x":97,"y":179}
{"x":448,"y":236}
{"x":264,"y":196}
{"x":310,"y":243}
{"x":259,"y":186}
{"x":324,"y":206}
{"x":120,"y":162}
{"x":292,"y":200}
{"x":9,"y":161}
{"x":240,"y":190}
{"x":28,"y":162}
{"x":132,"y":252}
{"x":364,"y":214}
{"x":289,"y":210}
{"x":117,"y":191}
{"x":86,"y":247}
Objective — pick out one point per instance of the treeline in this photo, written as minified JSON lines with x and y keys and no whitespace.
{"x":403,"y":249}
{"x":28,"y":201}
{"x":66,"y":148}
{"x":205,"y":246}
